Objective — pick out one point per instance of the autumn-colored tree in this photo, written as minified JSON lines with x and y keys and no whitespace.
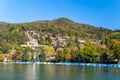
{"x":88,"y":52}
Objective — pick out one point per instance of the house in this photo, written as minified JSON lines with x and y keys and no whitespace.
{"x":33,"y":33}
{"x":50,"y":57}
{"x":6,"y":57}
{"x":32,"y":42}
{"x":59,"y":49}
{"x":95,"y":41}
{"x":81,"y":43}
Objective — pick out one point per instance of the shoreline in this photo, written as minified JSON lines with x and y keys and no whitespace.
{"x":67,"y":63}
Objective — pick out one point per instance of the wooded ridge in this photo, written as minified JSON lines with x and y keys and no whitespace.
{"x":59,"y":40}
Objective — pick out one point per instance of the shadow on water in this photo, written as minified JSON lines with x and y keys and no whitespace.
{"x":57,"y":72}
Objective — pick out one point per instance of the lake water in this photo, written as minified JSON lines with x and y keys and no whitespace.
{"x":57,"y":72}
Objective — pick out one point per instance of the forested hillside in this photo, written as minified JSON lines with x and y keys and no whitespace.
{"x":59,"y":40}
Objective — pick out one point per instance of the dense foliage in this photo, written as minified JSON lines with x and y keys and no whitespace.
{"x":107,"y":50}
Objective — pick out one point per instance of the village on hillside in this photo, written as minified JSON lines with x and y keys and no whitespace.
{"x":57,"y":43}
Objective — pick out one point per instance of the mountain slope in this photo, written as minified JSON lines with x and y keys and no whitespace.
{"x":61,"y":34}
{"x":66,"y":26}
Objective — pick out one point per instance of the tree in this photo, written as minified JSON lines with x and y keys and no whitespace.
{"x":60,"y":57}
{"x":42,"y":56}
{"x":18,"y":53}
{"x":67,"y":54}
{"x":1,"y":57}
{"x":115,"y":48}
{"x":88,"y":52}
{"x":103,"y":55}
{"x":26,"y":54}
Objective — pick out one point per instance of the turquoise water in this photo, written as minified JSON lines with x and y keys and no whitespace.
{"x":57,"y":72}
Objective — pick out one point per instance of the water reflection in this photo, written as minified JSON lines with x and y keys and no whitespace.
{"x":57,"y":72}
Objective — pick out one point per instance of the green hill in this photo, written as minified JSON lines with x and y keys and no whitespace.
{"x":61,"y":33}
{"x":66,"y":26}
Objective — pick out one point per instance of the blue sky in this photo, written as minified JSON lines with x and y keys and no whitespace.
{"x":105,"y":13}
